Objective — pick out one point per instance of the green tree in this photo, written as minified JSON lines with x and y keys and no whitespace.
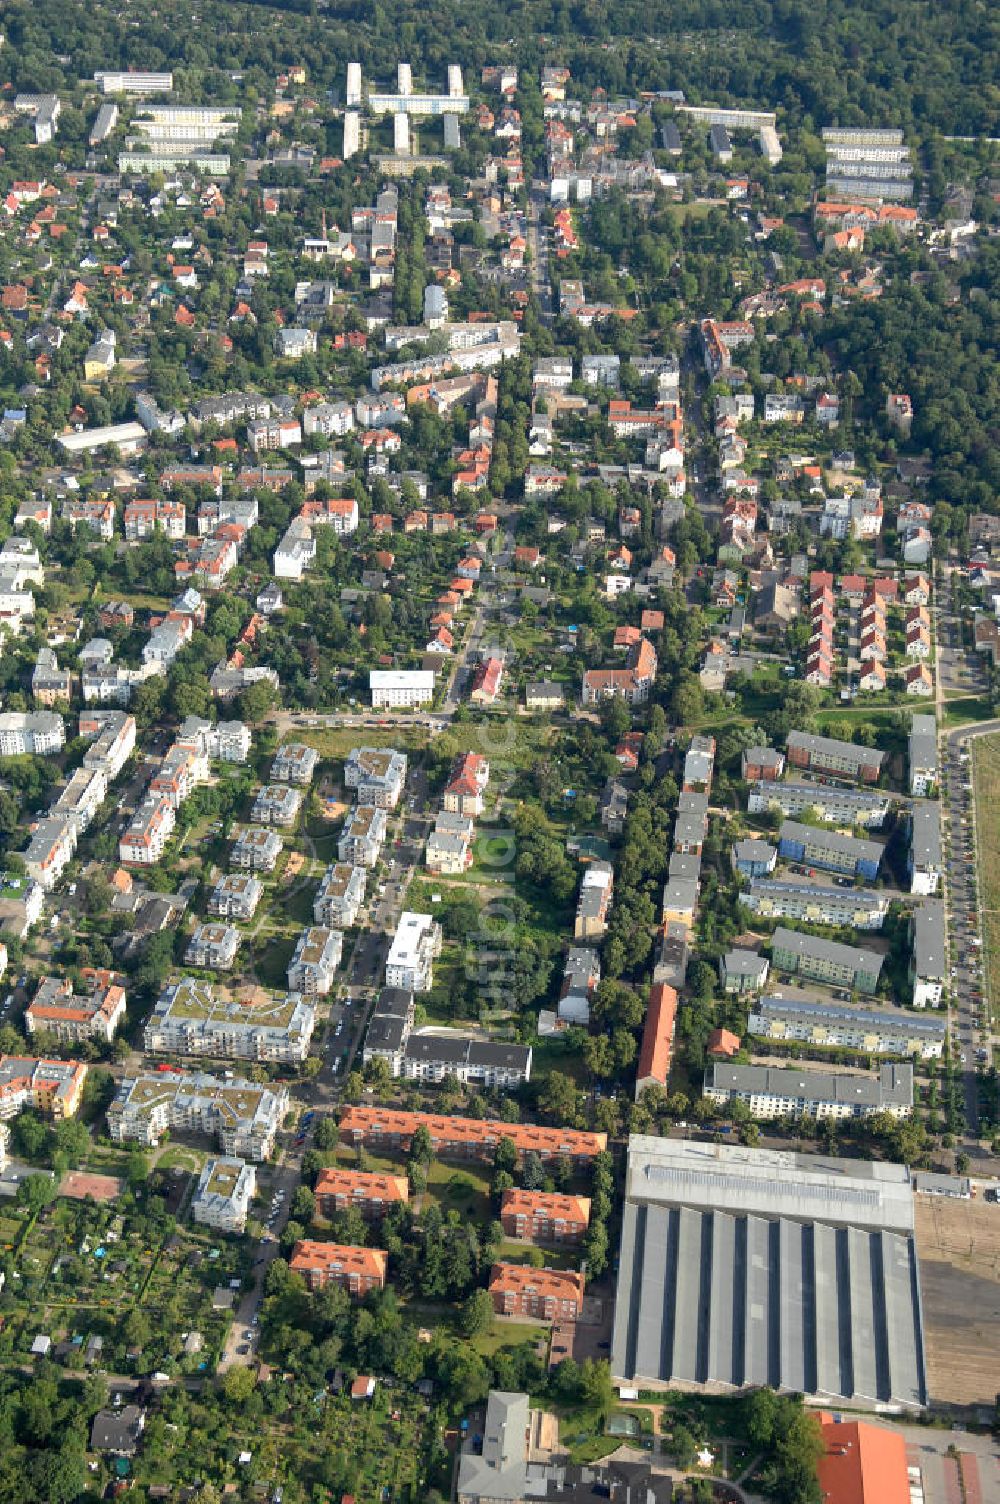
{"x":596,"y":1387}
{"x":36,"y":1191}
{"x":238,"y":1384}
{"x":477,"y":1314}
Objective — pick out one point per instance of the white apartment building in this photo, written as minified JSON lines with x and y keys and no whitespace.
{"x":276,"y":804}
{"x":295,"y":552}
{"x":401,"y":688}
{"x":167,"y":638}
{"x":923,"y":756}
{"x":235,"y":896}
{"x":111,"y":81}
{"x":409,"y":964}
{"x":925,"y":860}
{"x":225,"y":1190}
{"x":363,"y":836}
{"x":340,"y":896}
{"x":929,"y":954}
{"x":213,"y":946}
{"x":222,"y":741}
{"x":377,"y":774}
{"x":294,"y":763}
{"x":50,"y":850}
{"x":151,"y":827}
{"x":331,"y":419}
{"x":82,"y":797}
{"x":256,"y":849}
{"x":191,"y":1019}
{"x":244,"y":1117}
{"x":315,"y":960}
{"x":774,"y":1092}
{"x":39,"y":732}
{"x":114,"y":740}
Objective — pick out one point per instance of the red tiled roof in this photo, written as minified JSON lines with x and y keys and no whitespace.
{"x":863,"y":1464}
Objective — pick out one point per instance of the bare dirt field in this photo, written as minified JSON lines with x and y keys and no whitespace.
{"x":958,"y":1243}
{"x":79,"y":1184}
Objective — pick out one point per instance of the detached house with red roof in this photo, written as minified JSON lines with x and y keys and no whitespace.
{"x":463,"y":794}
{"x":486,"y":681}
{"x":631,"y":684}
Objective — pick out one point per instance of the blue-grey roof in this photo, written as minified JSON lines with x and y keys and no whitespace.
{"x":742,"y":1267}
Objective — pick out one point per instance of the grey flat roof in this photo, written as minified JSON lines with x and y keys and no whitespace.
{"x":753,"y":850}
{"x":741,"y":1267}
{"x":393,"y":1002}
{"x":923,"y":742}
{"x":852,"y":751}
{"x":761,"y":756}
{"x":821,"y":794}
{"x":456,"y":1049}
{"x":925,"y":833}
{"x":769,"y":1182}
{"x":831,"y":840}
{"x":801,"y":944}
{"x":690,"y":827}
{"x":885,"y":1020}
{"x":685,"y":864}
{"x":692,"y":804}
{"x":680,"y":893}
{"x":929,"y":950}
{"x":891,"y":1087}
{"x":386,"y":1033}
{"x":745,"y":963}
{"x":847,"y":898}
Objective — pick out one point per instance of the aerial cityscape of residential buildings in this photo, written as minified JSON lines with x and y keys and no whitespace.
{"x":499,"y":754}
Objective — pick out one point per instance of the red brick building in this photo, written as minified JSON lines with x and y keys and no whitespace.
{"x":657,"y":1038}
{"x":538,"y":1217}
{"x":372,"y":1194}
{"x":544,"y":1294}
{"x":466,"y":1138}
{"x":358,"y":1270}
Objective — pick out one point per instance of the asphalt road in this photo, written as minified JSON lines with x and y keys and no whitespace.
{"x":538,"y":249}
{"x":960,"y":670}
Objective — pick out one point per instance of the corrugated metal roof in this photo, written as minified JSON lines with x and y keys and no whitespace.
{"x":717,"y":1294}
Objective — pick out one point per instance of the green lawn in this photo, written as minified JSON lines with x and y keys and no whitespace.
{"x":334,"y":742}
{"x":966,"y":709}
{"x":465,"y":1190}
{"x":177,"y":1157}
{"x":502,"y":1333}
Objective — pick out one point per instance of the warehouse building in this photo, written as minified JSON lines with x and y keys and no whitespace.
{"x":742,"y":1267}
